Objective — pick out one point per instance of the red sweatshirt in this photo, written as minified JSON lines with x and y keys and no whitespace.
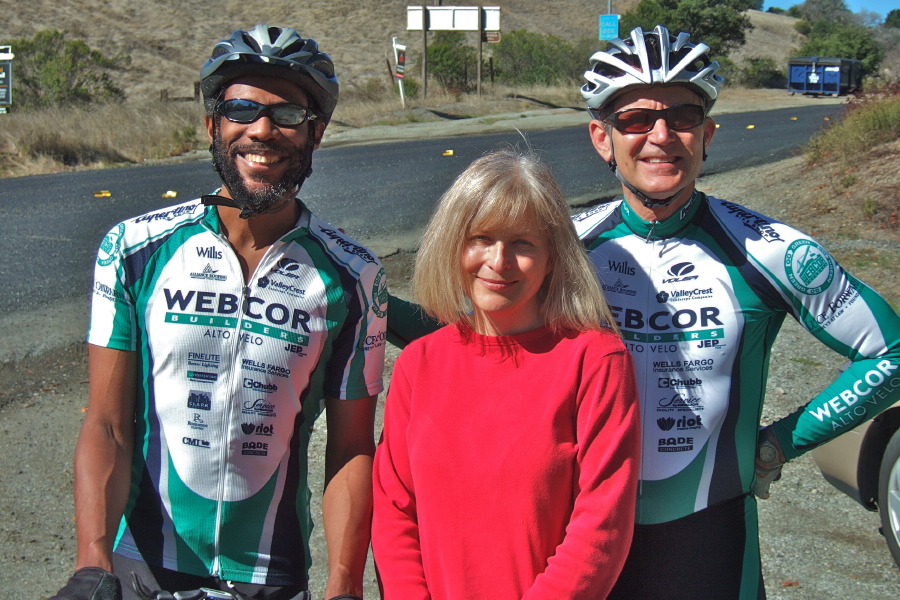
{"x":508,"y":467}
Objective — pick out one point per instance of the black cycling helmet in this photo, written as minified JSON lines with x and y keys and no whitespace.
{"x":277,"y":52}
{"x":650,"y":58}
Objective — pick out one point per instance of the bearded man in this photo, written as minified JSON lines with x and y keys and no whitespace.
{"x":220,"y":329}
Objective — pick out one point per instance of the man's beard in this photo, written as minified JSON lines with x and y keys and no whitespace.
{"x":270,"y":196}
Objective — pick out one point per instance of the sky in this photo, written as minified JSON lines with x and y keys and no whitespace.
{"x":882,"y":7}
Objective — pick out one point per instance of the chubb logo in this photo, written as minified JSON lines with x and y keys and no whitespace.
{"x":259,"y":386}
{"x":680,"y":272}
{"x":668,"y":382}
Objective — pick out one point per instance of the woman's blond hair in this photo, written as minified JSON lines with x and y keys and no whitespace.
{"x":501,"y":188}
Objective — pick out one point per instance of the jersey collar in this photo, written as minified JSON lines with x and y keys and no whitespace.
{"x":213,"y":223}
{"x":652,"y":230}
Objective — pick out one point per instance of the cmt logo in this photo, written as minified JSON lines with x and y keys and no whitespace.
{"x":680,"y":272}
{"x":197,"y":443}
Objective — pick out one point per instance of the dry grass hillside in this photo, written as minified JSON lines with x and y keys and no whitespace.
{"x":168,"y":40}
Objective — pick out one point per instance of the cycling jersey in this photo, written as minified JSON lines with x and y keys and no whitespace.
{"x":232,"y":377}
{"x":699,"y":299}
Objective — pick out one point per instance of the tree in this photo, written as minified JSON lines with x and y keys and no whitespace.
{"x":451,"y":61}
{"x":51,"y":70}
{"x":841,"y":40}
{"x":893,"y":18}
{"x":718,"y":23}
{"x":831,"y":10}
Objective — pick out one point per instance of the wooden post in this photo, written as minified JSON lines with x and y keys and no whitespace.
{"x":480,"y":44}
{"x":424,"y":52}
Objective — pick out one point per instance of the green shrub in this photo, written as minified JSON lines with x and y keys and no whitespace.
{"x":729,"y":71}
{"x":53,"y":71}
{"x":802,"y":27}
{"x":523,"y":58}
{"x":451,"y":62}
{"x":762,"y":73}
{"x":870,"y":119}
{"x":410,"y":87}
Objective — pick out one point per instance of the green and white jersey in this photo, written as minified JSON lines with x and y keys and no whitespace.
{"x":232,"y":376}
{"x":699,"y":299}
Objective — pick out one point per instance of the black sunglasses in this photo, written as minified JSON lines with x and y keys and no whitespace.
{"x":243,"y":111}
{"x":683,"y":117}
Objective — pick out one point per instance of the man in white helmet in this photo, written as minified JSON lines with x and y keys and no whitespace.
{"x":699,"y":288}
{"x":220,"y":329}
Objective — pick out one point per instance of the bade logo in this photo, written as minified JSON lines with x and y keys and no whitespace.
{"x":665,"y":423}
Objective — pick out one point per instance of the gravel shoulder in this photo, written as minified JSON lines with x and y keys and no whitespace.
{"x":817,"y":544}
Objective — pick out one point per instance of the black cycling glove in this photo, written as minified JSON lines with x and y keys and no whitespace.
{"x":90,"y":583}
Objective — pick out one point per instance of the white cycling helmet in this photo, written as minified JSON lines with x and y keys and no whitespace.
{"x":274,"y":51}
{"x":650,"y":58}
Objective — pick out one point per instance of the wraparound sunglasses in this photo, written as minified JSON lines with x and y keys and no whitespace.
{"x":683,"y":117}
{"x":244,"y":112}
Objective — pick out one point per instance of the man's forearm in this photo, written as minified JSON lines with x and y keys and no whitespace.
{"x":102,"y":478}
{"x":347,"y":520}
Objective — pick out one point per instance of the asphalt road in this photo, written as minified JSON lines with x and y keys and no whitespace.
{"x":379,"y":193}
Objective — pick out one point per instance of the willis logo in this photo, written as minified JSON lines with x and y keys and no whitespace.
{"x":210,"y":252}
{"x":622,"y":268}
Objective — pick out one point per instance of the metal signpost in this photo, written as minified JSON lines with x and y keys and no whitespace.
{"x":400,"y":61}
{"x":6,"y":57}
{"x":483,"y":19}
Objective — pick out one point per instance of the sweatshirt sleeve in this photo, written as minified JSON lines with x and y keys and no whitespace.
{"x":407,"y":322}
{"x":395,"y":530}
{"x":588,"y":561}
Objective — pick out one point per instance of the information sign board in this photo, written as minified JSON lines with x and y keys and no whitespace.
{"x":452,"y":18}
{"x":609,"y":27}
{"x":5,"y":83}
